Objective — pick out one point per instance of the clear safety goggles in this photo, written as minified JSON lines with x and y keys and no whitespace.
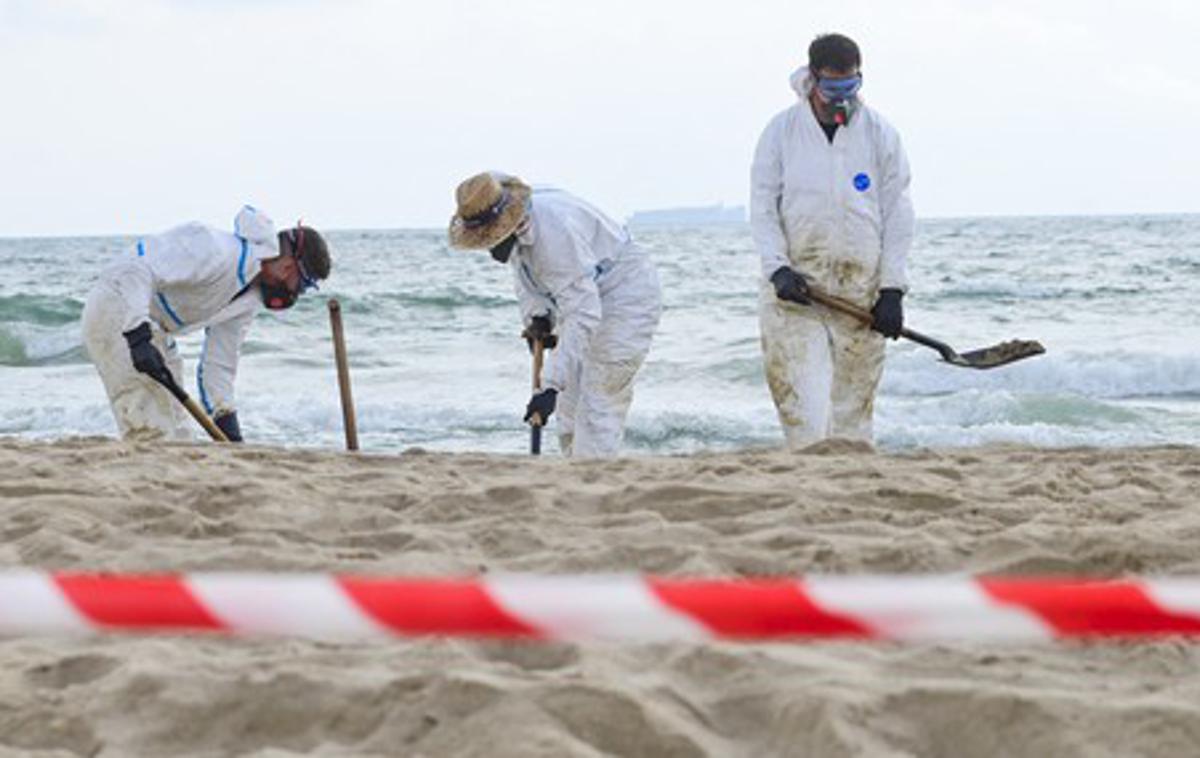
{"x":307,"y":280}
{"x":842,"y":88}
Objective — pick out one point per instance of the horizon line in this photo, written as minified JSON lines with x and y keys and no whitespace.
{"x":929,"y":217}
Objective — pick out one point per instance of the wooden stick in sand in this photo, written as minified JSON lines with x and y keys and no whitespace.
{"x":343,"y":372}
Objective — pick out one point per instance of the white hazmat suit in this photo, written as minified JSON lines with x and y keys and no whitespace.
{"x":840,"y":214}
{"x":581,"y":268}
{"x":186,"y":279}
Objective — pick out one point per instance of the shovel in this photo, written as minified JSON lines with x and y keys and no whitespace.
{"x":983,"y":358}
{"x":535,"y":423}
{"x":203,"y":419}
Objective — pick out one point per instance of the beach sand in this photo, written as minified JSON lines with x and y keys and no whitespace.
{"x":836,"y":508}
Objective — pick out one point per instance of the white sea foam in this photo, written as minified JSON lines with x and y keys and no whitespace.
{"x":1113,"y":374}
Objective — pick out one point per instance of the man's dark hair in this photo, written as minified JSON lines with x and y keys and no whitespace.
{"x":312,"y":252}
{"x":833,"y":51}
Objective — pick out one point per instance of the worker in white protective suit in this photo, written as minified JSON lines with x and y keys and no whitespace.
{"x":830,"y":208}
{"x":584,"y":288}
{"x":190,"y":278}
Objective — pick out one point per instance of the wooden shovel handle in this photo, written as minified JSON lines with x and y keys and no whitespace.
{"x":536,"y":421}
{"x":204,"y":420}
{"x":167,"y":380}
{"x":539,"y":353}
{"x":841,"y":306}
{"x":867,"y":318}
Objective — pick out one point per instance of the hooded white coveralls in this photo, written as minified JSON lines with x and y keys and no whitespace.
{"x":841,"y":215}
{"x":601,"y":290}
{"x":183,"y":280}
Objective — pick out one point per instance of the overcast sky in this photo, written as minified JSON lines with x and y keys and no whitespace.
{"x":127,"y":116}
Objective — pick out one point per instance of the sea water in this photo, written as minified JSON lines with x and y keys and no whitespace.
{"x":437,"y":361}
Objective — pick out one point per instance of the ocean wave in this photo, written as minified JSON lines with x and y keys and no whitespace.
{"x":33,"y":345}
{"x":676,"y":432}
{"x":911,"y":437}
{"x":1188,"y":265}
{"x":448,"y":299}
{"x":964,"y":419}
{"x":973,"y":408}
{"x":975,"y":417}
{"x":1025,"y":292}
{"x":1111,"y":375}
{"x":55,"y":419}
{"x":41,"y":310}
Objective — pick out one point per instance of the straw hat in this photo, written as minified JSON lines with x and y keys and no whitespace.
{"x":490,"y":207}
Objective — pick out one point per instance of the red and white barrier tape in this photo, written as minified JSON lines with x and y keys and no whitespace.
{"x":620,"y":607}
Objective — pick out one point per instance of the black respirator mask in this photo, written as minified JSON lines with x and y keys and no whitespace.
{"x":278,"y":297}
{"x":502,"y":250}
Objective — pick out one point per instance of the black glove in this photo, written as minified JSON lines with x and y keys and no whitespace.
{"x":790,"y":285}
{"x":228,"y":423}
{"x":145,"y":355}
{"x":888,"y":313}
{"x":542,"y":405}
{"x":540,"y":328}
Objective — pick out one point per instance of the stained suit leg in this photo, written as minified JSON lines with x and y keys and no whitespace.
{"x":141,"y":407}
{"x":857,"y":369}
{"x":797,"y":354}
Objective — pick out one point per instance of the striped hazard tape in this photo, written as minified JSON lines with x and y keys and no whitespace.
{"x":618,"y":607}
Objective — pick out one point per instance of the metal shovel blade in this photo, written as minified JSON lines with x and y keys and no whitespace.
{"x":997,"y":355}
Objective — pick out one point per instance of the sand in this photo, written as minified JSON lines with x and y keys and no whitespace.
{"x":836,"y":508}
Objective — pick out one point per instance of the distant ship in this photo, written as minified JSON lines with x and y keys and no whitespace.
{"x":707,"y":215}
